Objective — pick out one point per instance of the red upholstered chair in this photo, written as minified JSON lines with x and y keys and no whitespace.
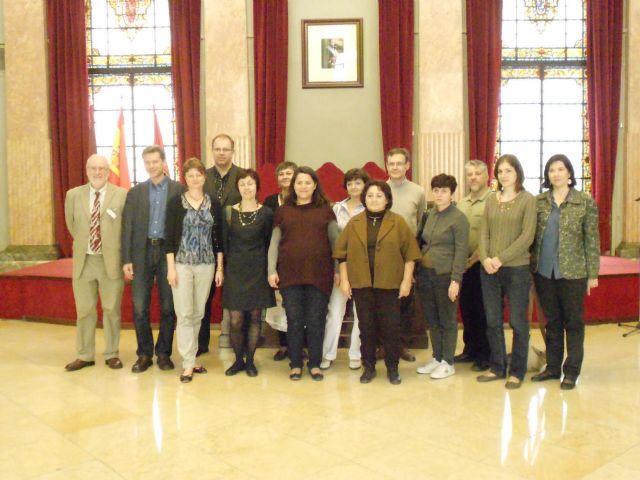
{"x":331,"y":178}
{"x":375,"y":171}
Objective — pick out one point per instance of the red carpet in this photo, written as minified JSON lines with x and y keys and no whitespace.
{"x":44,"y":292}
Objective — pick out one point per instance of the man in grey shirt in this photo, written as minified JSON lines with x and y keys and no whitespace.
{"x":409,"y":202}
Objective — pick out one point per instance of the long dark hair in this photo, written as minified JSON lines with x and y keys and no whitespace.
{"x":517,"y":166}
{"x":567,"y":164}
{"x":319,"y":199}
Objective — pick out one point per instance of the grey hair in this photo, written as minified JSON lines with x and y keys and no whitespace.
{"x":477,"y":164}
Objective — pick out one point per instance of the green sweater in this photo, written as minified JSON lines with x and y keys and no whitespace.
{"x":508,"y":229}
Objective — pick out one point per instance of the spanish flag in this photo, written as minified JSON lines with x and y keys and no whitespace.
{"x":118,"y":169}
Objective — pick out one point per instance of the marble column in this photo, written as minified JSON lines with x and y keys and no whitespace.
{"x":30,"y":188}
{"x":226,"y":76}
{"x":441,"y":134}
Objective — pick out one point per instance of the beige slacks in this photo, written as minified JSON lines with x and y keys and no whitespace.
{"x":93,"y":281}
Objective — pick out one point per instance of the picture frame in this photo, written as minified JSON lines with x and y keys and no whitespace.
{"x":332,"y":53}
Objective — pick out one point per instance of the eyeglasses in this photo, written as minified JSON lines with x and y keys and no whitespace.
{"x":98,"y":169}
{"x":222,"y":150}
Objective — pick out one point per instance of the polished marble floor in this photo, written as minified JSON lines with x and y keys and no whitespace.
{"x":103,"y":424}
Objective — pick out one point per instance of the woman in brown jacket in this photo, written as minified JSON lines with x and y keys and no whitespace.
{"x":377,"y":252}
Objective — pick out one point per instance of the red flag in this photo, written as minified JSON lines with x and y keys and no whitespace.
{"x":157,"y":139}
{"x":119,"y":171}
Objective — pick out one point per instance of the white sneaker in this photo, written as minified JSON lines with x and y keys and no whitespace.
{"x":355,"y":364}
{"x":444,"y":370}
{"x":325,"y":364}
{"x":429,"y":367}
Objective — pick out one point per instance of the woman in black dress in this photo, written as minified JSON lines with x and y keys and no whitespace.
{"x":246,"y":232}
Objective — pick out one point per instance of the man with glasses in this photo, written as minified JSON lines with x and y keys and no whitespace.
{"x":220,"y":183}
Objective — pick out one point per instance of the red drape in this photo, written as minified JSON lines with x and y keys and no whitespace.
{"x":604,"y":57}
{"x":185,"y":71}
{"x":484,"y":58}
{"x":68,"y":105}
{"x":395,"y":26}
{"x":270,"y":50}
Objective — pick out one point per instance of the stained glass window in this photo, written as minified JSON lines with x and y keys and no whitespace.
{"x":543,"y":96}
{"x":129,"y":57}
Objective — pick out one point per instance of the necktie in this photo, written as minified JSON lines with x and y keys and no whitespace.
{"x":95,"y":240}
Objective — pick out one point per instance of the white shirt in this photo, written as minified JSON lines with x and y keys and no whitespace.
{"x":342,"y":213}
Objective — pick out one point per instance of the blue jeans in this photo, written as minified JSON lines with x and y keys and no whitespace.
{"x":306,"y":309}
{"x":155,"y":268}
{"x":515,"y":284}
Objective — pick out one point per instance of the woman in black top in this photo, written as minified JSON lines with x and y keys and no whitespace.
{"x":246,"y":233}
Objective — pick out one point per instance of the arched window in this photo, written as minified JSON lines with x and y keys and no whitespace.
{"x":543,"y":97}
{"x":129,"y":55}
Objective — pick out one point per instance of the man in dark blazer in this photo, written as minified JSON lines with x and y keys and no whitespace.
{"x":220,"y":183}
{"x":143,"y":258}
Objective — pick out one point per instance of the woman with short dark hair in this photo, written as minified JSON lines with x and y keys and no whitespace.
{"x":444,"y":241}
{"x":377,"y":251}
{"x":246,"y":233}
{"x":507,"y":231}
{"x":565,"y":261}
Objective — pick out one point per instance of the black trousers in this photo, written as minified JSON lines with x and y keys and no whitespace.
{"x":474,"y":319}
{"x":562,"y":302}
{"x":407,"y":312}
{"x":379,"y":316}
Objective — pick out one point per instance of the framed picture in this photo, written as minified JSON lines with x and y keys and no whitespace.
{"x":332,"y":53}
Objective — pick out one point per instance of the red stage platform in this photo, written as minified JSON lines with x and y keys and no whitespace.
{"x":44,"y":292}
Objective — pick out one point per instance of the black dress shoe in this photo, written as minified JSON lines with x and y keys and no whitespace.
{"x":251,"y":370}
{"x":407,"y":356}
{"x":544,"y":376}
{"x":480,"y":366}
{"x":318,"y":376}
{"x":368,"y":375}
{"x":295,"y":376}
{"x":199,"y":369}
{"x":463,"y":358}
{"x":237,"y":367}
{"x":394,"y":376}
{"x":164,"y":363}
{"x":567,"y":384}
{"x":280,"y":355}
{"x":78,"y":364}
{"x":186,"y":378}
{"x":142,"y":364}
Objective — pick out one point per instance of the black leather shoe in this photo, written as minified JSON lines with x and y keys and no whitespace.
{"x":463,"y":358}
{"x":368,"y":375}
{"x":251,"y":370}
{"x":567,"y":384}
{"x":78,"y":364}
{"x":113,"y":363}
{"x":186,"y":378}
{"x":479,"y":366}
{"x":237,"y":367}
{"x":142,"y":364}
{"x":394,"y":376}
{"x":407,"y":356}
{"x":544,"y":376}
{"x":280,"y":355}
{"x":295,"y":376}
{"x":165,"y":363}
{"x":199,"y":370}
{"x":317,"y":376}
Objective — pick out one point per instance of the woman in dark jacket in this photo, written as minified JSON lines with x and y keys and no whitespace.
{"x":194,"y":258}
{"x":566,"y":260}
{"x":377,"y":251}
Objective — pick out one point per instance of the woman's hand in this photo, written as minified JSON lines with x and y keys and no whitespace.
{"x":591,"y":283}
{"x":274,"y":280}
{"x":488,"y":266}
{"x":172,"y":276}
{"x":454,"y":290}
{"x":495,"y":261}
{"x":405,"y":288}
{"x":345,"y":287}
{"x":219,"y":278}
{"x":336,"y":279}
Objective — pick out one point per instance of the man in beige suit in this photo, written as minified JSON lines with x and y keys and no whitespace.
{"x":93,"y":213}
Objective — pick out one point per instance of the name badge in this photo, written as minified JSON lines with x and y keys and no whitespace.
{"x":112,"y":214}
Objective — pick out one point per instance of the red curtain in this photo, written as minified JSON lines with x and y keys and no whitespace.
{"x":395,"y":26}
{"x":484,"y":58}
{"x":185,"y":71}
{"x":270,"y":50}
{"x":604,"y":57}
{"x":68,"y":105}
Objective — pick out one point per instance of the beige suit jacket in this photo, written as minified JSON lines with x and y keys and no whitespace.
{"x":78,"y":219}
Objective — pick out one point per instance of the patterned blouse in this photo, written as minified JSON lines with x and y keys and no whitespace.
{"x":196,"y":246}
